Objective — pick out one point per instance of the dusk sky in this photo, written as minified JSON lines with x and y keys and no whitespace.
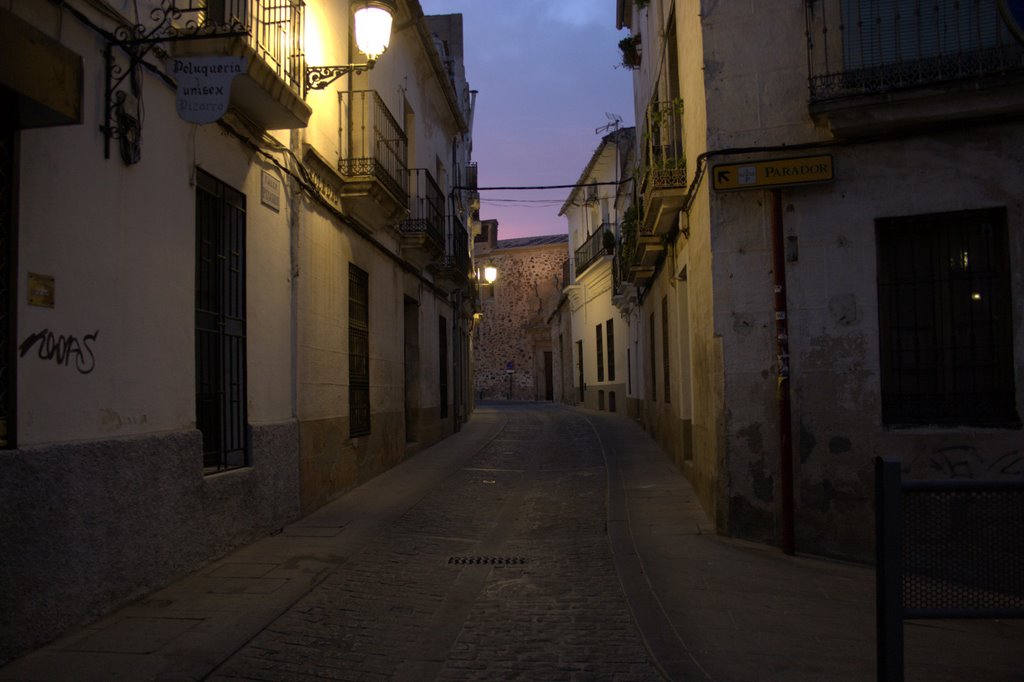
{"x":546,"y":74}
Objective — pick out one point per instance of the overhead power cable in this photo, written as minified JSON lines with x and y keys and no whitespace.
{"x":535,"y":187}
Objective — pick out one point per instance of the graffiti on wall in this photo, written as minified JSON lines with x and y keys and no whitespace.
{"x":65,"y":350}
{"x":966,"y":462}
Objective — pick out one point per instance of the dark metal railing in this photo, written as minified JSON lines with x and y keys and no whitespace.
{"x":274,"y":27}
{"x":664,"y":154}
{"x":944,"y":549}
{"x":592,"y":249}
{"x":426,"y":207}
{"x":857,"y":47}
{"x":618,"y":274}
{"x":372,"y":143}
{"x":625,"y":252}
{"x":456,"y":252}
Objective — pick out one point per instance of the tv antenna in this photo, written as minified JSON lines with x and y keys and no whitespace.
{"x":614,"y":121}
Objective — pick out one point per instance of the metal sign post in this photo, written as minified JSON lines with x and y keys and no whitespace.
{"x":771,"y":175}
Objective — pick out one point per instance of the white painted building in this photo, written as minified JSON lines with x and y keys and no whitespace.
{"x":210,"y":329}
{"x":899,"y":235}
{"x":594,"y":210}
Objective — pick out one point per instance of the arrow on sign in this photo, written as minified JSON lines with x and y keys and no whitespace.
{"x":723,"y":176}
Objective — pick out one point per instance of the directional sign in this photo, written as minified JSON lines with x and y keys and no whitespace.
{"x":774,"y":173}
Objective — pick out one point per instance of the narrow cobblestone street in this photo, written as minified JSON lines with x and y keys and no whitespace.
{"x":542,"y":542}
{"x":502,"y":571}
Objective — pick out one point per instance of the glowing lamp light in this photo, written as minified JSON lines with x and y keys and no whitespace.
{"x":490,"y":274}
{"x":373,"y":27}
{"x":373,"y":20}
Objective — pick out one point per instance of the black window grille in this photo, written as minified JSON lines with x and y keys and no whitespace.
{"x":600,"y":354}
{"x":945,"y":320}
{"x":609,"y":327}
{"x":581,"y":385}
{"x":442,"y":363}
{"x":902,"y":31}
{"x":629,"y":371}
{"x":665,"y":350}
{"x":873,"y":46}
{"x":8,"y":270}
{"x":220,"y":324}
{"x":358,"y":352}
{"x":654,"y":364}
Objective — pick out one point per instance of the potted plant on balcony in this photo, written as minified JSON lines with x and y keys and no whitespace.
{"x":608,"y":241}
{"x":627,"y":247}
{"x":630,"y":48}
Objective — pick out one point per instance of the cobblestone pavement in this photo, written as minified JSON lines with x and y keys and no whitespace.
{"x":541,"y":542}
{"x":503,"y":571}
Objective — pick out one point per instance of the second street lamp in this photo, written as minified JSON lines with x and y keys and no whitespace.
{"x":373,"y":20}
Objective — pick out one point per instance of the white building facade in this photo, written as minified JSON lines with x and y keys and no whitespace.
{"x":214,"y":327}
{"x":594,"y":211}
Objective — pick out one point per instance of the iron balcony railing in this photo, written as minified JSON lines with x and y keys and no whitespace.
{"x":618,"y":273}
{"x":456,"y":252}
{"x":863,"y":47}
{"x":372,"y":143}
{"x":593,"y":248}
{"x":274,"y":27}
{"x":626,"y":254}
{"x":426,"y":208}
{"x":664,"y":154}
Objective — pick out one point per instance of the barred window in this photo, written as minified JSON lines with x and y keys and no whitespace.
{"x":654,"y":364}
{"x":665,"y":349}
{"x":945,"y":320}
{"x":220,"y":324}
{"x":610,"y":334}
{"x":442,"y":364}
{"x":358,"y":352}
{"x":886,"y":32}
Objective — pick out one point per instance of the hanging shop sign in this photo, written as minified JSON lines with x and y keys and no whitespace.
{"x":204,"y":86}
{"x":773,"y":173}
{"x":1013,"y":15}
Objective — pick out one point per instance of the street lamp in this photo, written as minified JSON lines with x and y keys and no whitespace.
{"x":373,"y":20}
{"x":490,"y":274}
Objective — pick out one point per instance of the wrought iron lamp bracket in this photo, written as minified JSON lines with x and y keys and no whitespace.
{"x":136,"y":41}
{"x":319,"y":77}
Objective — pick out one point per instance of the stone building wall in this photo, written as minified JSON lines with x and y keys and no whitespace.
{"x":514,"y":331}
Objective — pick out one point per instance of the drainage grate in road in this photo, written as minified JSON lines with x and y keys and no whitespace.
{"x":487,"y":560}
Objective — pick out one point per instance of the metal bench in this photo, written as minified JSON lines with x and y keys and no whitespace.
{"x":944,"y":549}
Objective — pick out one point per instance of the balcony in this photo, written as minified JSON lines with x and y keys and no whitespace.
{"x":878,"y":66}
{"x":636,"y":257}
{"x":423,"y":231}
{"x":663,"y":175}
{"x":596,"y":246}
{"x":270,"y":92}
{"x":454,"y":268}
{"x":372,"y":163}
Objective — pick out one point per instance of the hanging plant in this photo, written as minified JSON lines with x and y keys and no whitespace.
{"x":630,"y":48}
{"x":640,"y":4}
{"x":608,"y":241}
{"x":627,"y":228}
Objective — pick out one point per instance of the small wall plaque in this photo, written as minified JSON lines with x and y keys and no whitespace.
{"x":40,"y":290}
{"x":270,"y":191}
